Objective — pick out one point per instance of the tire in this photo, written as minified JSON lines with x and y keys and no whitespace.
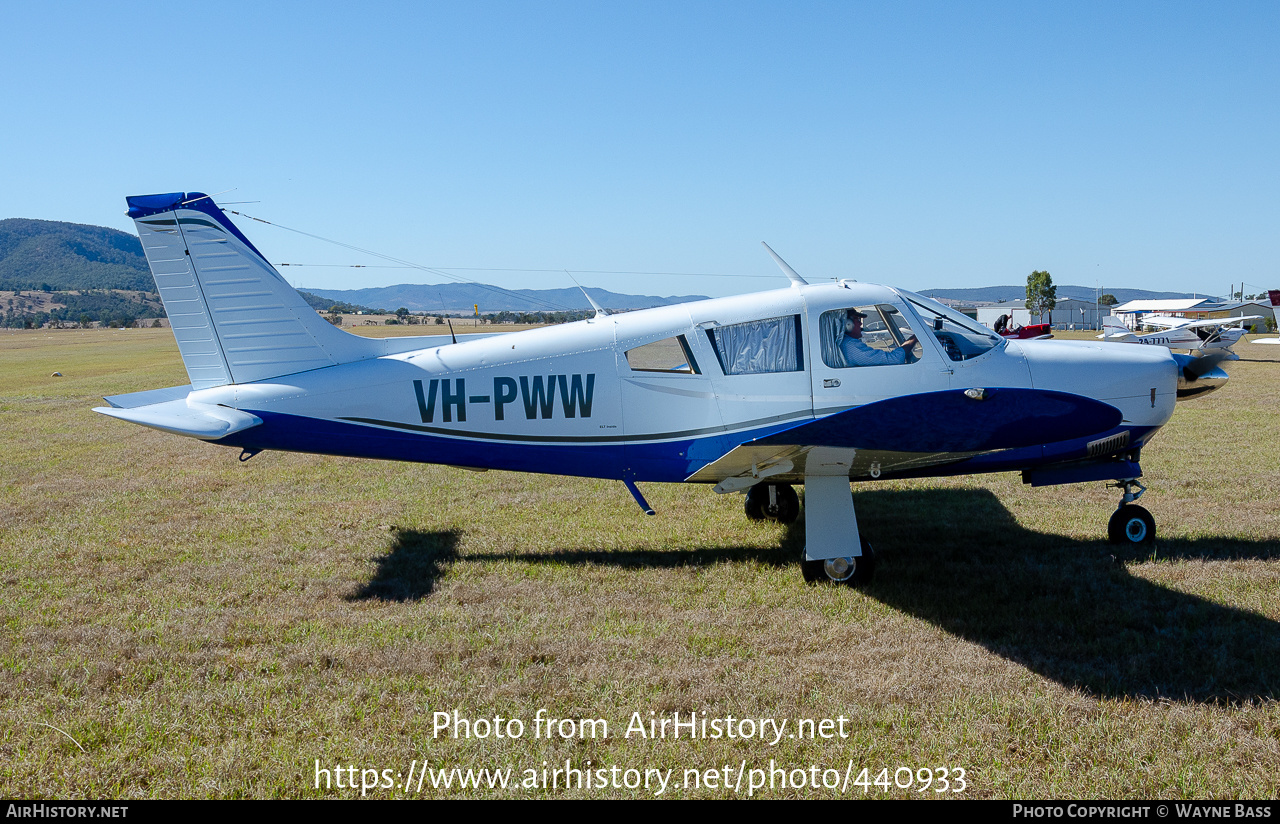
{"x":1131,"y":525}
{"x":785,"y":510}
{"x":852,"y":572}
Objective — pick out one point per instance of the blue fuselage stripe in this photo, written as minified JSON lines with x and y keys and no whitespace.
{"x":667,"y":461}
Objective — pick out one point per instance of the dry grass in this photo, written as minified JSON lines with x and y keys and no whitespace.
{"x":205,"y":628}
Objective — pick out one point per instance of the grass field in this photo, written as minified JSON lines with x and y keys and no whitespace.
{"x":180,"y":624}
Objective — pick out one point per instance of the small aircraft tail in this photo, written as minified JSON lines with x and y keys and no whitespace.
{"x":1113,"y":329}
{"x":235,"y":319}
{"x":1274,"y":294}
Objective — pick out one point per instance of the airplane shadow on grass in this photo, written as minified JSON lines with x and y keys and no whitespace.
{"x":1065,"y":608}
{"x":417,"y":560}
{"x":409,"y":571}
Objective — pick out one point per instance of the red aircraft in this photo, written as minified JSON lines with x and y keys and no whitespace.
{"x":1007,"y":329}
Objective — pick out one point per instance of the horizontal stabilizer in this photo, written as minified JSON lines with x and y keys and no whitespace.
{"x":180,"y":417}
{"x":136,"y":399}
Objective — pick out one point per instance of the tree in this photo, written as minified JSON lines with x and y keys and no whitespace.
{"x":1108,"y":300}
{"x":1042,"y":295}
{"x":403,"y":314}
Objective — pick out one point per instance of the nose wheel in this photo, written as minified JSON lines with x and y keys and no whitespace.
{"x":1131,"y":525}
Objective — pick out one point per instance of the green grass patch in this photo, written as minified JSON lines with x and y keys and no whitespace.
{"x":178,"y":624}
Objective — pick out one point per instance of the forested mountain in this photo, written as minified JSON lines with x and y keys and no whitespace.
{"x":51,"y":255}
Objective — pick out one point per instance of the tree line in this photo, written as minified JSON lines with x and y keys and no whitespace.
{"x":104,"y":307}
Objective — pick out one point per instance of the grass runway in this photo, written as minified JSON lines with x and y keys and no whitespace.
{"x":181,"y":625}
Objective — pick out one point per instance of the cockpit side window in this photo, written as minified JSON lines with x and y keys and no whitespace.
{"x":759,"y":346}
{"x":867,"y":336}
{"x":666,"y":355}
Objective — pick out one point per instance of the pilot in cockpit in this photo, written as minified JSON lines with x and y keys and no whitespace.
{"x":857,"y":353}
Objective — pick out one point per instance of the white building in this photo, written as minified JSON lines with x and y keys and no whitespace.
{"x":1131,"y":313}
{"x":1067,"y":313}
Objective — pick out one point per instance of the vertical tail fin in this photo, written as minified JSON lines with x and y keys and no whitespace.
{"x":1113,"y":328}
{"x":235,"y":319}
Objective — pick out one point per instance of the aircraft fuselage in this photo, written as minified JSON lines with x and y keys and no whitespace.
{"x":568,"y":400}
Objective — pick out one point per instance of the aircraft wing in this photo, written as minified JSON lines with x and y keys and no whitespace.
{"x":1163,"y":321}
{"x":913,"y":431}
{"x":1220,"y":321}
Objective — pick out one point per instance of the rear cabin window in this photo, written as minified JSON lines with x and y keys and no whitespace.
{"x":759,"y":346}
{"x":666,"y":355}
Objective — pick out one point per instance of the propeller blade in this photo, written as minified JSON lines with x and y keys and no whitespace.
{"x":1204,"y":364}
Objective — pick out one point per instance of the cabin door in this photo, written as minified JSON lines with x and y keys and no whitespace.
{"x":863,"y":353}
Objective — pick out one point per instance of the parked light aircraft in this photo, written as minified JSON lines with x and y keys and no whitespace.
{"x":1006,"y":328}
{"x":1180,"y":333}
{"x":1274,"y":294}
{"x":814,"y":384}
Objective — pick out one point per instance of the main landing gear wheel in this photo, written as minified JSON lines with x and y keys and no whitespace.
{"x":772,"y":502}
{"x":1131,"y":525}
{"x":853,"y":572}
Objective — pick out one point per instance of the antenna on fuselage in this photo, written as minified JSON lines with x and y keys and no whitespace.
{"x":601,"y":312}
{"x":796,"y":280}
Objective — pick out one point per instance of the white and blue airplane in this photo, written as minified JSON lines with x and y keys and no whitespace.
{"x":814,"y":384}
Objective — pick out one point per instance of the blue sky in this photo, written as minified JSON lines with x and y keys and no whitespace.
{"x":925,"y":145}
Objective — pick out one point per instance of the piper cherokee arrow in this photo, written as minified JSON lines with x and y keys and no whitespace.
{"x":813,"y":384}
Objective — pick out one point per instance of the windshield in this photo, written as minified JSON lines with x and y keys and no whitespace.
{"x":961,"y":337}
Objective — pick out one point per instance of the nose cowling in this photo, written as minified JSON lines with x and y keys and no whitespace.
{"x":1140,"y":381}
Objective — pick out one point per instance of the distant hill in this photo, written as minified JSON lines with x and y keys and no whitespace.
{"x":323,"y":305}
{"x":462,"y":297}
{"x":55,"y":256}
{"x":70,"y":256}
{"x":994,"y":294}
